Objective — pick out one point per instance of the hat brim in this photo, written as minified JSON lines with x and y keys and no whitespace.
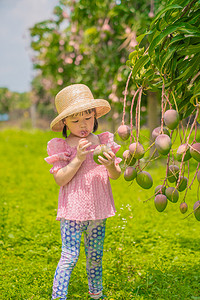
{"x":102,"y":107}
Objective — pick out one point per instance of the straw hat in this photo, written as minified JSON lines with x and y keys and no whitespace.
{"x":76,"y":98}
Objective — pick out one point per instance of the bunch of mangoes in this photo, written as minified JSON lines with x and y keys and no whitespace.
{"x":162,"y":138}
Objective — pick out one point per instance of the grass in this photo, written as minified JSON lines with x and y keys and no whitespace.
{"x":147,"y":254}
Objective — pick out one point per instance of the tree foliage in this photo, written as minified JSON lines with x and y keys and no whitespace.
{"x":10,"y":101}
{"x":171,"y":61}
{"x":89,"y":42}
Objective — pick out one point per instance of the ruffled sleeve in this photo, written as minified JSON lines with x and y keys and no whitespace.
{"x":59,"y":154}
{"x":108,"y":139}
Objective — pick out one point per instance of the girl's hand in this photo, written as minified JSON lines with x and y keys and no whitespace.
{"x":81,"y":149}
{"x":113,"y":169}
{"x":109,"y":161}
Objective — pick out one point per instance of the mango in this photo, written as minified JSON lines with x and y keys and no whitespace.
{"x":160,"y":202}
{"x":182,"y":184}
{"x":183,"y":207}
{"x":181,"y":150}
{"x":195,"y":151}
{"x":99,"y":151}
{"x":157,"y":131}
{"x":124,"y":132}
{"x":196,"y":209}
{"x":171,"y":118}
{"x":130,"y":173}
{"x":137,"y":150}
{"x":172,"y":194}
{"x":163,"y":144}
{"x":128,"y":158}
{"x":173,"y":173}
{"x":198,"y":176}
{"x":158,"y":191}
{"x":144,"y":180}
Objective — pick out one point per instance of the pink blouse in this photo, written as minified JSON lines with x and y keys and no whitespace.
{"x":88,"y":195}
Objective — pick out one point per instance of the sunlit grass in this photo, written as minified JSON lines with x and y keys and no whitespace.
{"x":147,"y":254}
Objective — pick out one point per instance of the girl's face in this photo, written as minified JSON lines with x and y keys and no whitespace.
{"x":80,"y":125}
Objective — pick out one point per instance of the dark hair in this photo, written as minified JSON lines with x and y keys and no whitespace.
{"x":64,"y":133}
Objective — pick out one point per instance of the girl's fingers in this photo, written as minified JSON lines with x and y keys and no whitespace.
{"x":82,"y":141}
{"x":83,"y":144}
{"x":100,"y":160}
{"x":110,"y":155}
{"x":106,"y":155}
{"x":103,"y":160}
{"x":86,"y":145}
{"x":87,"y":151}
{"x":109,"y":158}
{"x":83,"y":147}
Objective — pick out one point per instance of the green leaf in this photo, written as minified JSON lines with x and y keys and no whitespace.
{"x":160,"y":38}
{"x":182,"y":102}
{"x":149,"y":73}
{"x":167,"y":8}
{"x":174,"y":65}
{"x":139,"y":64}
{"x":128,"y":63}
{"x":190,"y":67}
{"x":140,"y":37}
{"x":191,"y":49}
{"x":194,"y":17}
{"x":183,"y":2}
{"x":170,"y":52}
{"x":132,"y":54}
{"x":194,"y":64}
{"x":197,"y":86}
{"x":196,"y":95}
{"x":177,"y":38}
{"x":169,"y":30}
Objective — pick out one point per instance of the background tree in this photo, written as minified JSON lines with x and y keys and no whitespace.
{"x":89,"y":41}
{"x":6,"y":100}
{"x":11,"y":101}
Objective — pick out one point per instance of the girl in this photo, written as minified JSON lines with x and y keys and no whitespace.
{"x":85,"y":197}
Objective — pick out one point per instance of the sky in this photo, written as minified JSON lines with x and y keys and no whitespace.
{"x":16,"y":17}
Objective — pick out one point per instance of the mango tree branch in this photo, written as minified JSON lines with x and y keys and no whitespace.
{"x":187,"y":143}
{"x":125,"y":94}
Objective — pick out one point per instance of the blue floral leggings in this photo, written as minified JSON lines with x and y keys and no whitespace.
{"x":71,"y":231}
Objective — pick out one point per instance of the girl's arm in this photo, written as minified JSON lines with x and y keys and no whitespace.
{"x":64,"y":175}
{"x":114,"y":171}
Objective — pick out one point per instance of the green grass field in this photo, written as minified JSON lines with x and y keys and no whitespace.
{"x":147,"y":254}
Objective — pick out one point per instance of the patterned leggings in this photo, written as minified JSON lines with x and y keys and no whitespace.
{"x":71,"y":231}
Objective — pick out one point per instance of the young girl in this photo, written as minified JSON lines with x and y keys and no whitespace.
{"x":85,"y":197}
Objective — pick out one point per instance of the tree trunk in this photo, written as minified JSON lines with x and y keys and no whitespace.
{"x":33,"y":114}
